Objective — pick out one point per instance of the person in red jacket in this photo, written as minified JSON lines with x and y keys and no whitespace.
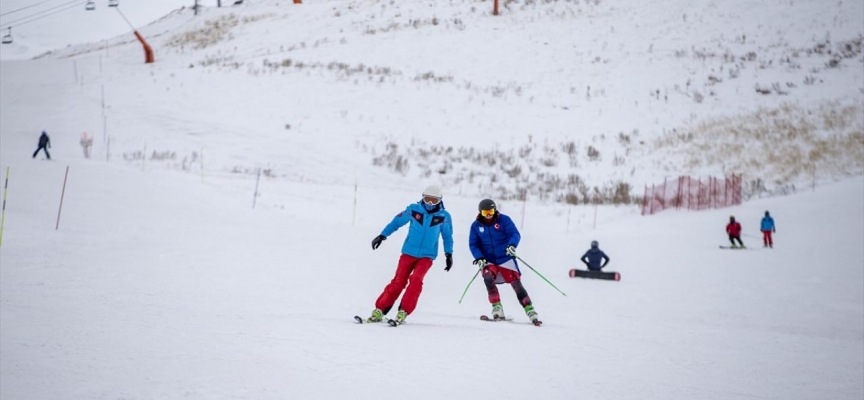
{"x":734,"y":231}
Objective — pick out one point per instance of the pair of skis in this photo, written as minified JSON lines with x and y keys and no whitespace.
{"x":500,"y":319}
{"x":395,"y":323}
{"x":391,"y":322}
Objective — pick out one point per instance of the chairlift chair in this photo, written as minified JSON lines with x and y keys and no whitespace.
{"x":113,"y":3}
{"x":90,"y":6}
{"x":7,"y":38}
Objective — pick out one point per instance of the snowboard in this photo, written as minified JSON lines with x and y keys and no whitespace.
{"x":581,"y":273}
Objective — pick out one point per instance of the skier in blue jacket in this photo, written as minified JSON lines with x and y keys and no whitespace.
{"x":594,"y":256}
{"x":428,"y":220}
{"x":493,"y":240}
{"x":767,"y":227}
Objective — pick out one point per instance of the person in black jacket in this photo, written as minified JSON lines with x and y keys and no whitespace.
{"x":594,"y":256}
{"x":44,"y":144}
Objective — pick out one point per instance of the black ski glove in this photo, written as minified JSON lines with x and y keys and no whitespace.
{"x":377,"y":241}
{"x":481,"y":263}
{"x":448,"y":261}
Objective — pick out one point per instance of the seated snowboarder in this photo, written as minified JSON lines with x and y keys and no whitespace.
{"x":594,"y":256}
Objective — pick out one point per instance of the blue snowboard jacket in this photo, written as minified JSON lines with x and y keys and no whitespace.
{"x":593,"y":259}
{"x":425,"y":228}
{"x":767,"y":223}
{"x":489,"y":240}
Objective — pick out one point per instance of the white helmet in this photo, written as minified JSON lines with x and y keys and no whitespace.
{"x":433,"y":191}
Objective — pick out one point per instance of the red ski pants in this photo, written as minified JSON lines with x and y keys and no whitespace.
{"x":766,"y":238}
{"x":490,"y":274}
{"x":410,"y":271}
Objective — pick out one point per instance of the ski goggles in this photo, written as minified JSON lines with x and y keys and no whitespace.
{"x":487,"y":213}
{"x":431,"y":200}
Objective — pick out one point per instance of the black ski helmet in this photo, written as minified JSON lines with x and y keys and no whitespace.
{"x":594,"y":244}
{"x":487,"y":204}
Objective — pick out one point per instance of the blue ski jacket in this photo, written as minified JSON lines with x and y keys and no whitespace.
{"x":767,"y":223}
{"x":593,"y":258}
{"x":425,"y":228}
{"x":490,"y":239}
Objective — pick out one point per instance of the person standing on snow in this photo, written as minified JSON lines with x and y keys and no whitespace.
{"x":767,"y":227}
{"x":734,"y":231}
{"x":594,"y":256}
{"x":86,"y":144}
{"x":493,"y":240}
{"x":44,"y":144}
{"x":428,"y":220}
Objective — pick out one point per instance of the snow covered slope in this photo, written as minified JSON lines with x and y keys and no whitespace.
{"x":162,"y":281}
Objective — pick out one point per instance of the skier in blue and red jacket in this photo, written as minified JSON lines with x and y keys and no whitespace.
{"x":493,"y":240}
{"x":428,"y":220}
{"x":767,"y":227}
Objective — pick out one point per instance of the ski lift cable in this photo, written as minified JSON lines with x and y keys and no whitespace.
{"x":17,"y":22}
{"x":24,"y":8}
{"x":124,"y":17}
{"x":38,"y":13}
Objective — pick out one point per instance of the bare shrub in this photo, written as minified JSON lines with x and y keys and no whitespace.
{"x":593,"y":153}
{"x":734,"y":72}
{"x":620,"y":193}
{"x":514,"y":172}
{"x":623,"y":139}
{"x":392,"y":159}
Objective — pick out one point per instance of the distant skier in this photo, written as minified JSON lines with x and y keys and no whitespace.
{"x":734,"y":231}
{"x":44,"y":144}
{"x":493,"y":240}
{"x":594,"y":256}
{"x":86,"y":144}
{"x":428,"y":220}
{"x":767,"y":229}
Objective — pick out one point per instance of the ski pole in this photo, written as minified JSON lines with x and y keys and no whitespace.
{"x":539,"y":274}
{"x":469,"y":285}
